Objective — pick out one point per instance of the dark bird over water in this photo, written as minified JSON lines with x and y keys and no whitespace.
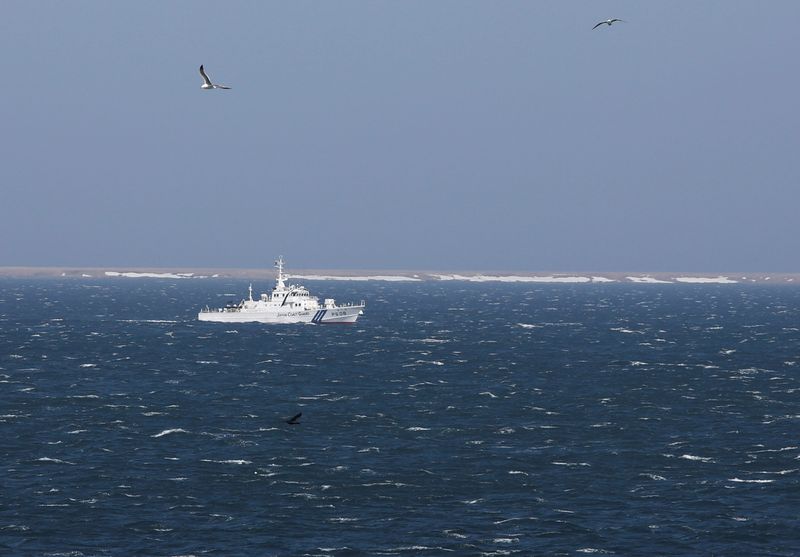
{"x":293,"y":419}
{"x":608,"y":22}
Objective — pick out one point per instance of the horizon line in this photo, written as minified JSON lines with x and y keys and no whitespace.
{"x":596,"y":277}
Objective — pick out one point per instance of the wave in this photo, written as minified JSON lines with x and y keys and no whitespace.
{"x":54,"y":460}
{"x":169,"y":432}
{"x":696,"y":458}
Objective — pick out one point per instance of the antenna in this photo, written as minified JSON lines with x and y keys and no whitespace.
{"x":279,"y":264}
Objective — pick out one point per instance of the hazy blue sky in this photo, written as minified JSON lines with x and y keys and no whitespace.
{"x":413,"y":134}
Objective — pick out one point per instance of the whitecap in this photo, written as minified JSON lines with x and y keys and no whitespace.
{"x":54,"y":460}
{"x":169,"y":432}
{"x":16,"y":527}
{"x":696,"y":458}
{"x":739,"y":480}
{"x":782,"y":449}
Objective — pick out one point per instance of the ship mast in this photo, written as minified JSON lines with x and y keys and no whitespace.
{"x":279,"y":265}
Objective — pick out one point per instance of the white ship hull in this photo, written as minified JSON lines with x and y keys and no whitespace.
{"x":286,"y":303}
{"x":322,"y":316}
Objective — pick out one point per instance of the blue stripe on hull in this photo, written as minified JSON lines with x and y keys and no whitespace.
{"x":319,"y":315}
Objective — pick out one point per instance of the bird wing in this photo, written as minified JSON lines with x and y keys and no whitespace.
{"x":295,"y":417}
{"x":599,"y":24}
{"x":205,"y":77}
{"x":221,"y":87}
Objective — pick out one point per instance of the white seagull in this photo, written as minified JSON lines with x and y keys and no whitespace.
{"x":207,"y":82}
{"x":608,"y":22}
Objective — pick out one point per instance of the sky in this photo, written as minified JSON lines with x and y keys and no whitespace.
{"x":413,"y":134}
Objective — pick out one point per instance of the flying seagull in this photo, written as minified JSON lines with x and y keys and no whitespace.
{"x":608,"y":22}
{"x":293,"y":419}
{"x":207,"y":82}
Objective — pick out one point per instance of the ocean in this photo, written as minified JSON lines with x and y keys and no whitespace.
{"x":452,"y":419}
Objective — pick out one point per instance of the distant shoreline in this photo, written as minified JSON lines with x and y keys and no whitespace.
{"x":121,"y":273}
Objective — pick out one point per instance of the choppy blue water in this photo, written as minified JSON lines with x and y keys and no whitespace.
{"x":454,"y":418}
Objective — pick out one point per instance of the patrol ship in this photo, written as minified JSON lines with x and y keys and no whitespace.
{"x":287,"y":303}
